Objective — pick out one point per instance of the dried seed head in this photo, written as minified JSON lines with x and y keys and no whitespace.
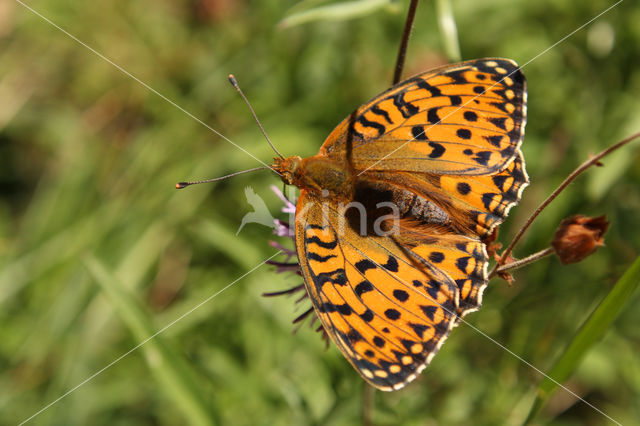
{"x":579,"y":236}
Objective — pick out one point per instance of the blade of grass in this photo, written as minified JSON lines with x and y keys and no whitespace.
{"x":448,"y":30}
{"x":130,"y":273}
{"x":591,"y":331}
{"x":219,"y":235}
{"x":335,"y":12}
{"x":172,"y":372}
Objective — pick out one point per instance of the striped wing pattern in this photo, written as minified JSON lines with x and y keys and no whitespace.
{"x":450,"y":138}
{"x":387,"y":307}
{"x":465,"y":118}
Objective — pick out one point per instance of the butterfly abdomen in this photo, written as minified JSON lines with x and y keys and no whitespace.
{"x":416,"y":207}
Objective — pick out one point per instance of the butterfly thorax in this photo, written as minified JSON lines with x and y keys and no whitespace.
{"x":315,"y":174}
{"x":329,"y":178}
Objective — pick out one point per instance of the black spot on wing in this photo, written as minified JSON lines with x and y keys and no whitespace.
{"x":408,"y":344}
{"x":315,"y":256}
{"x":442,"y":326}
{"x":433,"y":288}
{"x":419,"y":329}
{"x":407,"y":109}
{"x":392,"y":314}
{"x":401,"y":295}
{"x":499,"y":181}
{"x":500,"y":105}
{"x":458,"y":76}
{"x":371,"y":124}
{"x":517,"y":173}
{"x":364,"y":265}
{"x":367,"y":315}
{"x":470,"y":116}
{"x":422,"y":84}
{"x":381,"y":112}
{"x":509,"y":196}
{"x":517,"y":115}
{"x":482,"y":157}
{"x":462,"y":263}
{"x":463,"y":134}
{"x":494,"y":140}
{"x":317,"y":241}
{"x":436,"y":257}
{"x":419,"y":133}
{"x":499,"y":92}
{"x":487,"y":199}
{"x":328,"y":307}
{"x":391,"y":265}
{"x":438,"y":150}
{"x":432,"y":116}
{"x":335,"y":277}
{"x":499,"y":122}
{"x":364,"y":287}
{"x":378,"y":341}
{"x":463,"y":188}
{"x":354,"y":336}
{"x":433,"y":291}
{"x":429,"y":311}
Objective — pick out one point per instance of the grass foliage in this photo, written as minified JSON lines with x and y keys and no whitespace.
{"x":98,"y":251}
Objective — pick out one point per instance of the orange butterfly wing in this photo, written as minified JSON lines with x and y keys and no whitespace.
{"x":478,"y":202}
{"x":461,"y":124}
{"x":451,"y":137}
{"x":465,"y":118}
{"x":387,"y":316}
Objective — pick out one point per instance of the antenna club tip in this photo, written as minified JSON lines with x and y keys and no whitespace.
{"x":232,"y":79}
{"x":181,"y":185}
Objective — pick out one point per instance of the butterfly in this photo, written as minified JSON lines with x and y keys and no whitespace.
{"x":396,"y":209}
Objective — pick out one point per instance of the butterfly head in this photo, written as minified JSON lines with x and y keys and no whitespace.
{"x":315,"y":174}
{"x":288,"y":169}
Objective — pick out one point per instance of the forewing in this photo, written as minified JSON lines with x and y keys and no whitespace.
{"x":465,"y":118}
{"x":387,"y":306}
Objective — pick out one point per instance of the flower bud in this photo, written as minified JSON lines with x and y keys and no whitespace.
{"x":579,"y":236}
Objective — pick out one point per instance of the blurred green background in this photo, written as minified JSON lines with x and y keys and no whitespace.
{"x":99,"y":252}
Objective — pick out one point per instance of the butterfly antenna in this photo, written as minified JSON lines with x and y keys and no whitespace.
{"x":234,"y":82}
{"x":181,"y":185}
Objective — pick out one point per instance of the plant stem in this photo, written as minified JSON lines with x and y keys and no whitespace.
{"x":522,"y":262}
{"x":406,"y":33}
{"x":367,"y":404}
